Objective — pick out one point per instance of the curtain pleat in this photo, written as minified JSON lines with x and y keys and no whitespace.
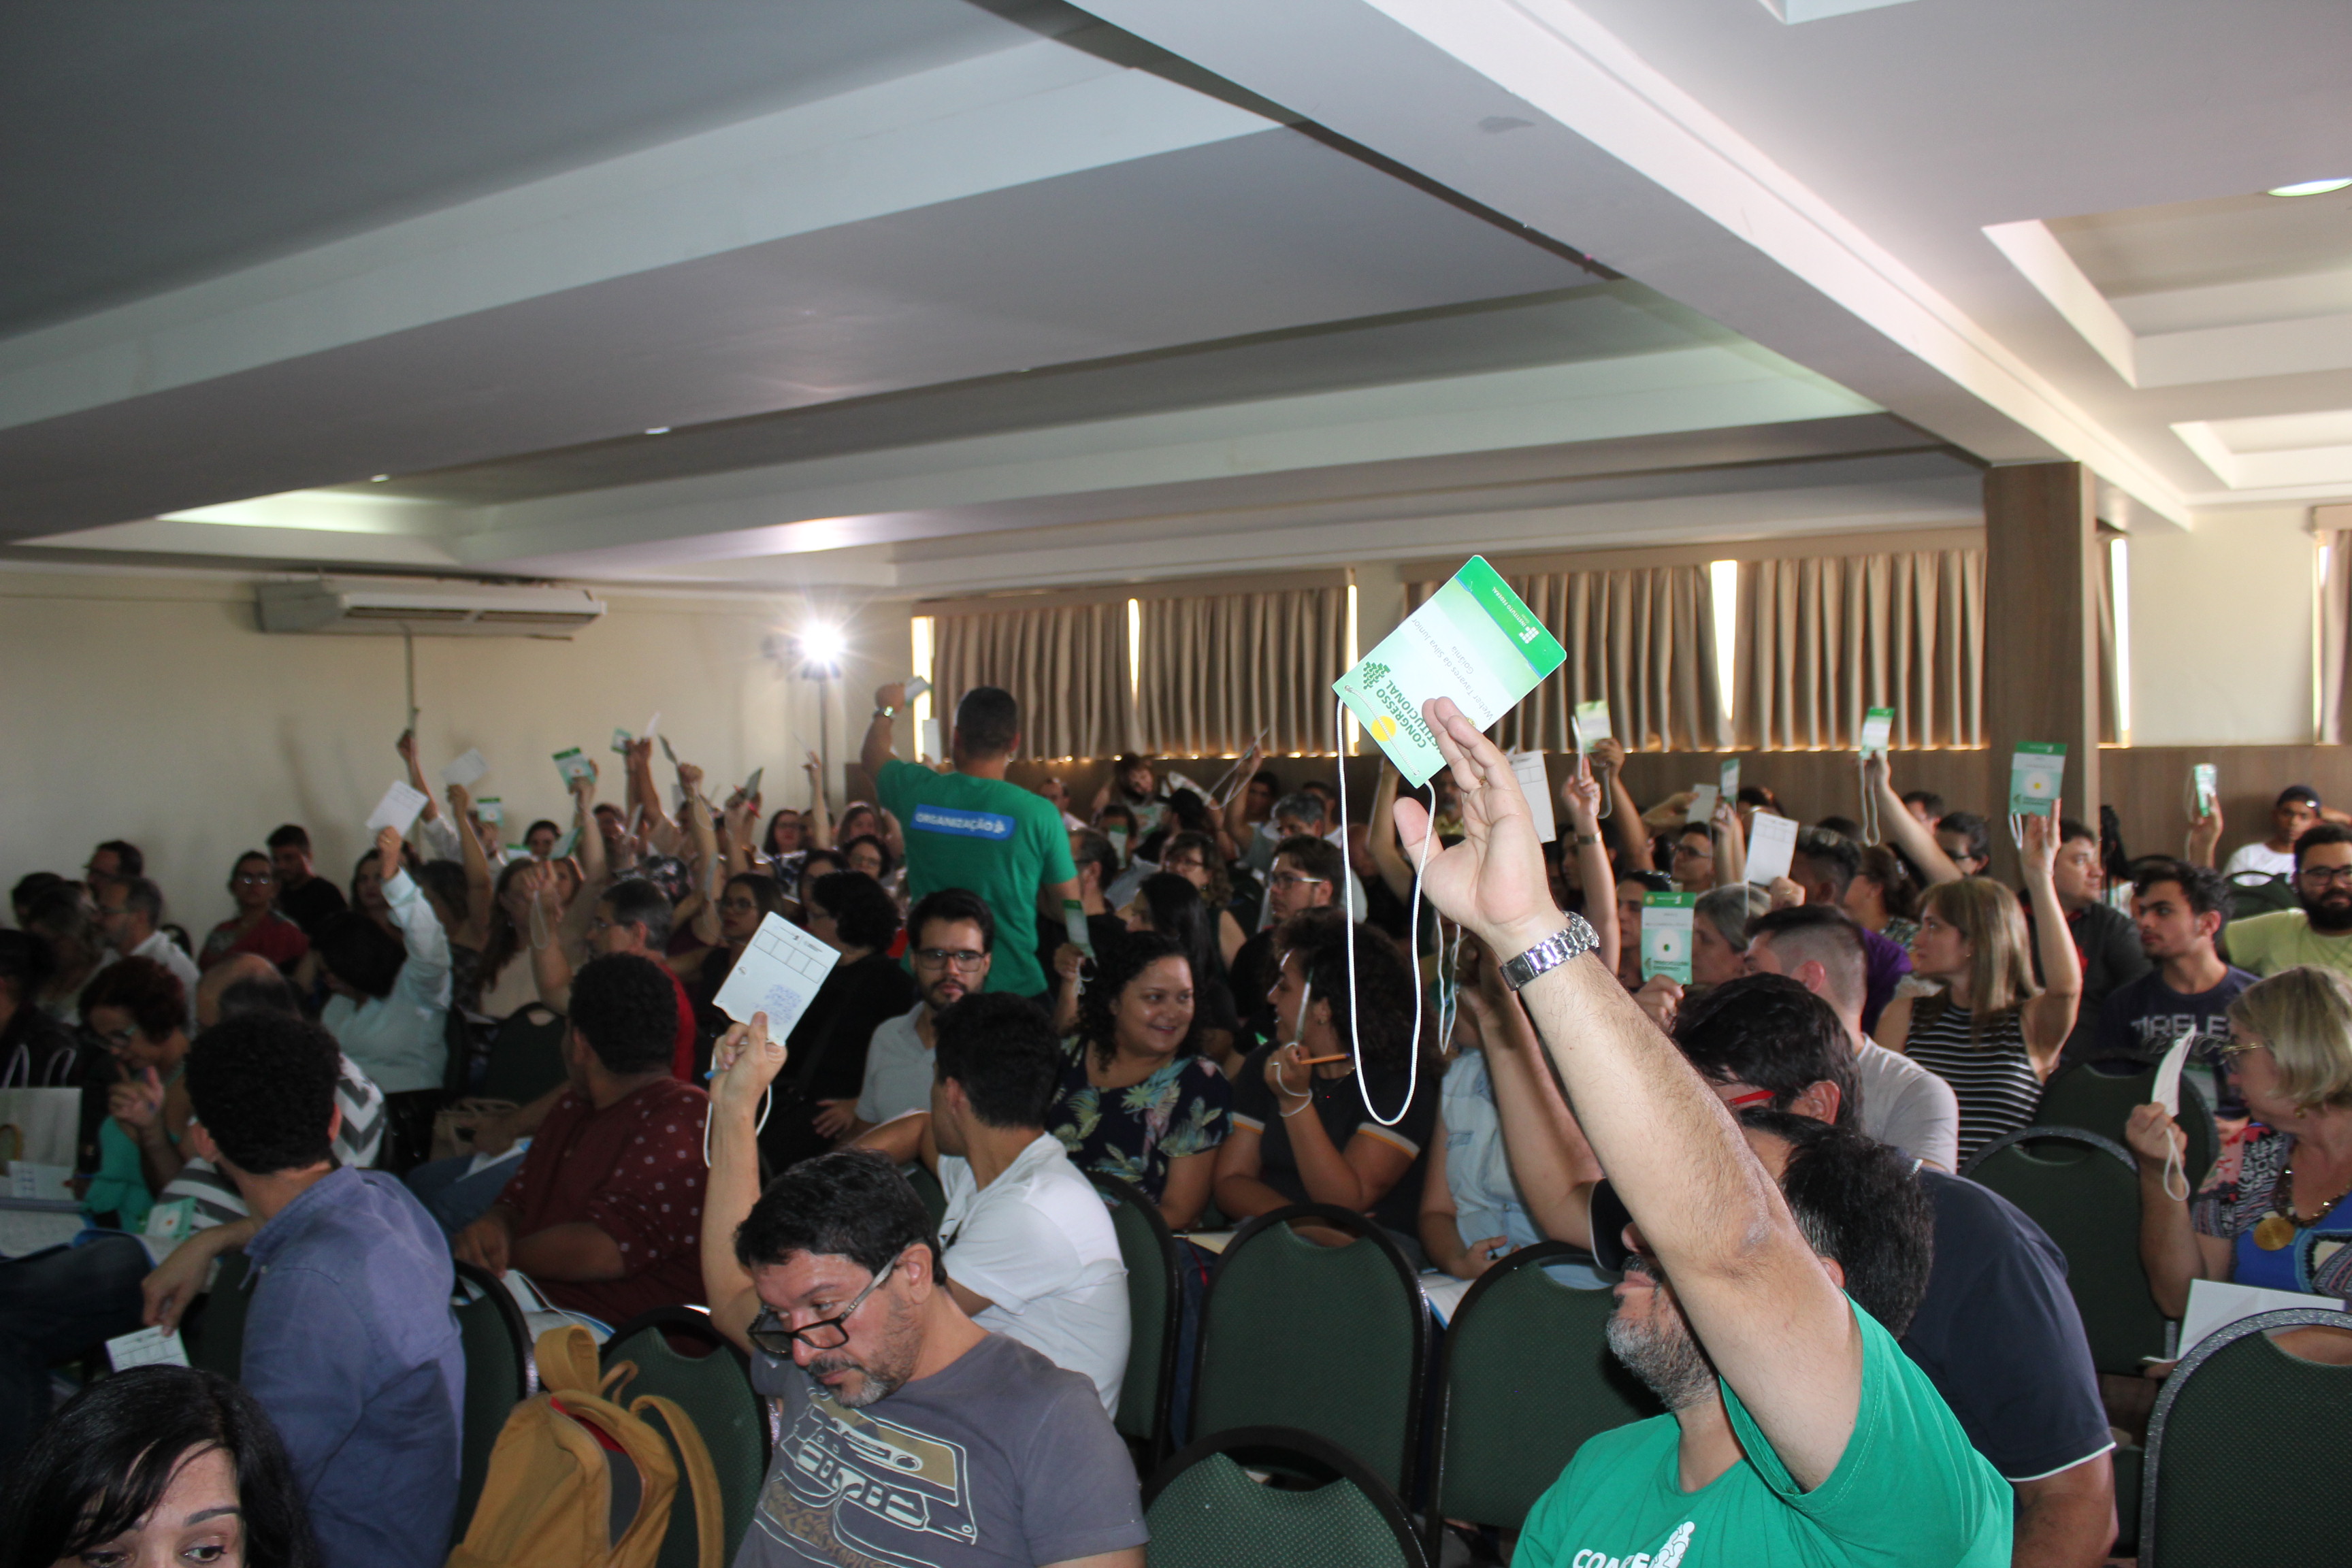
{"x":1217,"y":670}
{"x":1824,"y":638}
{"x":1066,"y":665}
{"x":2335,"y":638}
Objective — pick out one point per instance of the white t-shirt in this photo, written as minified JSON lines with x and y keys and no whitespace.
{"x":1039,"y":1244}
{"x":2260,"y":856}
{"x":1906,"y":1105}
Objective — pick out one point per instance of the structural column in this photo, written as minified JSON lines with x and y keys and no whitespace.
{"x":2042,"y":646}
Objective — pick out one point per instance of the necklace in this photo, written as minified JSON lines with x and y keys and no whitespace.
{"x":2277,"y":1229}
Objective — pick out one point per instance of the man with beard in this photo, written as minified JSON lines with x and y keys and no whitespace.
{"x":1801,"y":1433}
{"x":2320,"y":932}
{"x":909,"y":1434}
{"x":951,"y":944}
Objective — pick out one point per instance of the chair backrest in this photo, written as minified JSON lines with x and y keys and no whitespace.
{"x":1526,"y":1376}
{"x":498,"y":1378}
{"x":1204,"y":1510}
{"x":2082,"y":1190}
{"x":1332,"y":1340}
{"x":1149,"y":1249}
{"x":213,"y":1333}
{"x":526,"y":1056}
{"x":714,"y":1387}
{"x":2260,"y":893}
{"x":2247,"y":1452}
{"x":2099,"y":1096}
{"x":927,"y":1188}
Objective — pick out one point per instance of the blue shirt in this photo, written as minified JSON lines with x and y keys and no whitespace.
{"x":352,"y":1347}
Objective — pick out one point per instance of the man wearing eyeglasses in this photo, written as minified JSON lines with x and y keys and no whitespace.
{"x":2320,"y":932}
{"x":1306,"y":875}
{"x":909,"y":1433}
{"x":950,"y":943}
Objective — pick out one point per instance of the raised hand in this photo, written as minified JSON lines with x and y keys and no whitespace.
{"x":1580,"y":797}
{"x":387,"y":853}
{"x":1492,"y":880}
{"x":461,"y":802}
{"x":137,"y":1103}
{"x":2038,"y":855}
{"x":406,"y":747}
{"x":742,"y":1065}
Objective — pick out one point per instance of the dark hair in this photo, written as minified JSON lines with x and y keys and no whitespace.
{"x":1926,"y":797}
{"x":151,"y":994}
{"x":264,"y":1086}
{"x":1188,"y":812}
{"x":1827,"y":935}
{"x":2304,"y":792}
{"x":851,"y":1203}
{"x":987,"y":721}
{"x":260,"y":993}
{"x":1977,"y":831}
{"x":2312,"y":838}
{"x":881,"y":850}
{"x":291,"y":834}
{"x":1269,"y":778}
{"x":140,"y":896}
{"x":2070,"y":829}
{"x":638,"y":902}
{"x":805,"y":878}
{"x":955,"y":906}
{"x":360,"y":952}
{"x":1176,"y":910}
{"x":765,"y":890}
{"x":1220,"y":891}
{"x":1896,"y":887}
{"x":2207,"y":891}
{"x":545,"y":823}
{"x":1091,"y":847}
{"x":1379,"y":1009}
{"x":25,"y":960}
{"x":505,"y":938}
{"x":1316,"y":857}
{"x":61,"y":917}
{"x":864,"y":914}
{"x":768,"y":839}
{"x":1001,"y":1047}
{"x":842,"y":836}
{"x":1098,"y":1006}
{"x":127,"y":861}
{"x":1844,"y":826}
{"x":1759,"y":794}
{"x":31,"y":886}
{"x":1648,"y":879}
{"x":1837,"y":857}
{"x":446,"y":880}
{"x":626,"y":1007}
{"x":1769,"y":1031}
{"x":251,"y":854}
{"x":105,"y":1460}
{"x":1115,"y":809}
{"x":1862,"y":1203}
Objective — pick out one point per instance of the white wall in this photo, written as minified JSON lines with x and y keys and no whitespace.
{"x":2221,"y":630}
{"x":152,"y":709}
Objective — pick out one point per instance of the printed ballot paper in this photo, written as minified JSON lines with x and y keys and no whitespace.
{"x":1666,"y":936}
{"x":1473,"y":640}
{"x":147,"y":1347}
{"x":778,"y":974}
{"x":1771,"y":845}
{"x":398,"y":808}
{"x":467,"y":771}
{"x":1528,"y":767}
{"x":2035,"y":771}
{"x":574,"y":765}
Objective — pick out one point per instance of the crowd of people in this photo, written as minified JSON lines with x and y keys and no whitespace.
{"x":1226,"y":998}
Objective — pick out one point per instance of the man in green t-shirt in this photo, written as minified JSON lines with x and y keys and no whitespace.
{"x":1800,"y":1432}
{"x":973,"y":829}
{"x":2320,"y":932}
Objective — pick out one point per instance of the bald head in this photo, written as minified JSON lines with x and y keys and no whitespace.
{"x":241,"y":983}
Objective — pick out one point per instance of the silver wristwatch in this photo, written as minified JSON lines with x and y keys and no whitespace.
{"x":1572,"y":940}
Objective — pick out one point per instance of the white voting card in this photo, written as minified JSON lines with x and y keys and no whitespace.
{"x":1877,"y":724}
{"x":1666,"y":936}
{"x":1591,"y":723}
{"x":778,"y":974}
{"x":147,"y":1347}
{"x":398,"y":808}
{"x":491,"y":809}
{"x":574,"y":765}
{"x":468,"y":770}
{"x":2213,"y":1304}
{"x":1474,"y":640}
{"x":915,"y":686}
{"x":1771,"y":845}
{"x":2167,"y":1073}
{"x":2035,"y":771}
{"x":1702,"y":806}
{"x":927,"y":742}
{"x":1528,"y":767}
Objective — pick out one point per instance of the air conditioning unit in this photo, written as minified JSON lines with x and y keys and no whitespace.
{"x":426,"y":609}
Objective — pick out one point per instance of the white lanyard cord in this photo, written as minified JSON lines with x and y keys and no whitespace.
{"x":1412,"y":943}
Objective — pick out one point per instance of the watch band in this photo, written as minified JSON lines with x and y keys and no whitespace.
{"x":885,"y":712}
{"x":1571,"y":940}
{"x":1583,"y":838}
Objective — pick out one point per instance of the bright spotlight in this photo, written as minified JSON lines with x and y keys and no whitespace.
{"x":823,"y":646}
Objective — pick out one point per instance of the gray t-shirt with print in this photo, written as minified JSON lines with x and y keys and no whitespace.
{"x":999,"y":1458}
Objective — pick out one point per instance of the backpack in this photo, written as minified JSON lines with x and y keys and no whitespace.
{"x":556,"y":1497}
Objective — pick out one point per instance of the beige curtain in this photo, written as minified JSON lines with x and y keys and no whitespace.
{"x":1067,"y":665}
{"x":1823,"y":638}
{"x":1643,"y":638}
{"x":1215,"y":669}
{"x":2335,"y":638}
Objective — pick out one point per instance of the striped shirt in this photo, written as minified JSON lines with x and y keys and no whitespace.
{"x":216,"y":1201}
{"x":1992,"y":1077}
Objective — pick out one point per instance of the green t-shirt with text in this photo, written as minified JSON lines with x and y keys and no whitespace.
{"x":990,"y":837}
{"x":1908,"y":1493}
{"x":2282,"y":940}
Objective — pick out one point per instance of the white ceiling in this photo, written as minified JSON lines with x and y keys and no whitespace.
{"x":929,"y":295}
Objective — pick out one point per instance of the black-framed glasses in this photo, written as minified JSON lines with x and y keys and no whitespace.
{"x":768,"y":1330}
{"x":941,"y":958}
{"x":2324,"y":874}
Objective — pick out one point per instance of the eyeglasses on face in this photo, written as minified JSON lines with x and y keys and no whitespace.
{"x":1292,"y":879}
{"x":2321,"y":876}
{"x":769,"y":1333}
{"x":254,"y":878}
{"x":943,"y":958}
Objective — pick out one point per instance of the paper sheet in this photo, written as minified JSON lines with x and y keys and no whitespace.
{"x":33,"y":1183}
{"x":2215,"y":1305}
{"x":1877,"y":724}
{"x":621,"y":739}
{"x":24,"y":1232}
{"x":491,"y":809}
{"x":1771,"y":845}
{"x":468,"y":770}
{"x":1528,"y":767}
{"x":574,"y":765}
{"x":1666,"y":936}
{"x":915,"y":686}
{"x":147,"y":1347}
{"x":1702,"y":805}
{"x":1074,"y":926}
{"x":1591,"y":723}
{"x":1729,"y":780}
{"x":778,"y":974}
{"x":2204,"y":789}
{"x":927,"y":743}
{"x":2167,"y":1073}
{"x":2036,"y":770}
{"x":398,"y":808}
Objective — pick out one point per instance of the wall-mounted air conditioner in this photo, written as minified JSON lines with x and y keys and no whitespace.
{"x":426,"y":609}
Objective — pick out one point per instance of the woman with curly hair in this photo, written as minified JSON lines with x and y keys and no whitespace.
{"x":1195,"y":858}
{"x":1137,"y":1099}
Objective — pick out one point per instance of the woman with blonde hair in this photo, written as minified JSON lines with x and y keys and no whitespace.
{"x":1992,"y":1033}
{"x":2267,"y":1214}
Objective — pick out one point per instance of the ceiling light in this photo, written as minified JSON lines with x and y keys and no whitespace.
{"x":658,"y":430}
{"x":378,"y":479}
{"x":2308,"y":188}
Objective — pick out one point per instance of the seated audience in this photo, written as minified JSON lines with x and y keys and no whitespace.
{"x":1345,"y":1153}
{"x":831,"y":1281}
{"x":1994,"y":1035}
{"x":257,"y":927}
{"x":307,"y":899}
{"x":46,"y":1049}
{"x":1031,"y":1251}
{"x":130,"y":912}
{"x":1825,"y":866}
{"x":1299,"y":815}
{"x":1171,"y":905}
{"x":1136,"y":1098}
{"x":868,"y":856}
{"x":1924,"y":805}
{"x":2178,"y":909}
{"x":349,"y":1342}
{"x":1718,"y":948}
{"x":391,"y":1004}
{"x":1098,"y":865}
{"x":745,"y":901}
{"x":116,"y":859}
{"x":602,"y":1218}
{"x":1966,"y":840}
{"x":157,"y":1465}
{"x":849,"y":912}
{"x":1882,"y":896}
{"x":1901,"y":1103}
{"x":2259,"y":1219}
{"x":137,"y":1010}
{"x":2105,"y":938}
{"x":1306,"y":875}
{"x":951,"y":944}
{"x":2320,"y":930}
{"x":67,"y":926}
{"x":2293,"y":814}
{"x":632,"y":916}
{"x":1692,"y":862}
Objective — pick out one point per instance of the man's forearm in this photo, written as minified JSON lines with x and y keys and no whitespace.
{"x":2068,"y":1519}
{"x":727,"y":1194}
{"x":874,"y":749}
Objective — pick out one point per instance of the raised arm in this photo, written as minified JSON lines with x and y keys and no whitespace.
{"x":2204,"y":837}
{"x":1761,"y":1303}
{"x":1236,"y":813}
{"x":1579,"y":799}
{"x":480,"y":887}
{"x":659,"y":828}
{"x":1380,"y":833}
{"x":1730,"y":845}
{"x":1902,"y":829}
{"x":709,"y":871}
{"x":2049,"y":1018}
{"x":876,"y":748}
{"x":742,"y":1065}
{"x":1609,"y":757}
{"x":1550,"y":1158}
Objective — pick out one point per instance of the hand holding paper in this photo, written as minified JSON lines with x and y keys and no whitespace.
{"x":778,"y":975}
{"x":468,"y":770}
{"x":397,"y":810}
{"x":1771,"y":846}
{"x":1493,"y":881}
